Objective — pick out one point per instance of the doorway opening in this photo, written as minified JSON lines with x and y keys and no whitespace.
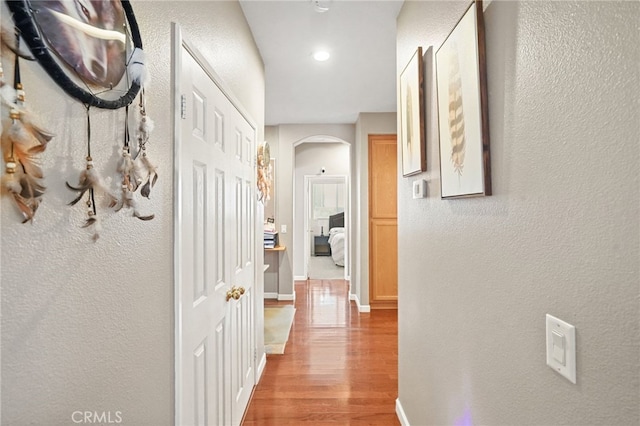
{"x":325,"y":242}
{"x":322,"y":164}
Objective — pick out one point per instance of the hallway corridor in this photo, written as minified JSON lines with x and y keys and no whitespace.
{"x":339,"y":367}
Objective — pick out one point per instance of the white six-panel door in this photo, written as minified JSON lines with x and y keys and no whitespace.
{"x":215,"y":252}
{"x":242,"y":139}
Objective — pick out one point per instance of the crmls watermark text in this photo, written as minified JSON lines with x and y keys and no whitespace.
{"x":96,"y":417}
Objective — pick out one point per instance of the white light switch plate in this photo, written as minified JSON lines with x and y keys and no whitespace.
{"x":283,"y":229}
{"x":420,"y":188}
{"x":561,"y":347}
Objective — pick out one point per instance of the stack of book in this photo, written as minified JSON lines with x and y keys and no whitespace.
{"x":270,"y":239}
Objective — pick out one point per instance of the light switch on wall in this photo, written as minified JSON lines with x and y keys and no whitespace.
{"x":420,"y":188}
{"x":561,"y":347}
{"x":283,"y":229}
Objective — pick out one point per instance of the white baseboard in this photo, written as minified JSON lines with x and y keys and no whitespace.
{"x":361,"y":308}
{"x":299,"y":278}
{"x":287,"y":297}
{"x":261,"y":366}
{"x":280,"y":296}
{"x":400,"y":413}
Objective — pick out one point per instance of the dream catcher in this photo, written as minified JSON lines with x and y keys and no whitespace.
{"x":93,"y":50}
{"x":264,"y":173}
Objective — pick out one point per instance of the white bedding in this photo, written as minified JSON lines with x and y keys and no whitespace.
{"x":336,"y":241}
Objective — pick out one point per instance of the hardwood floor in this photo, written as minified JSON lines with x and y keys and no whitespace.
{"x":339,"y":366}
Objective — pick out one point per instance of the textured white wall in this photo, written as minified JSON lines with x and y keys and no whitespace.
{"x":309,"y":159}
{"x":560,"y":235}
{"x":90,"y":326}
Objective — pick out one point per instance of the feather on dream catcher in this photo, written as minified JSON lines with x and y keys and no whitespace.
{"x":93,"y":50}
{"x":22,"y":143}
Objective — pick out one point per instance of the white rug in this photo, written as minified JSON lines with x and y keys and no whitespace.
{"x":323,"y":267}
{"x":277,"y":325}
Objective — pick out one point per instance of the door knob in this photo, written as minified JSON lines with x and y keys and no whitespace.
{"x":233,"y":294}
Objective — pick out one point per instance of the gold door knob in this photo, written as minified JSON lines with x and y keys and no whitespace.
{"x":235,"y":293}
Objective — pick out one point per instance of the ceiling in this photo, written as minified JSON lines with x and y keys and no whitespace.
{"x":359,"y":76}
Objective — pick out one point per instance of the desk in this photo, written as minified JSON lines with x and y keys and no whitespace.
{"x":272,"y":257}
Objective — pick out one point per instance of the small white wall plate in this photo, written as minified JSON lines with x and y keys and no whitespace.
{"x":561,"y":347}
{"x":420,"y":188}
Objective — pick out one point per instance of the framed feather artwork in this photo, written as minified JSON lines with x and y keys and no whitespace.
{"x":463,"y":120}
{"x":412,"y":136}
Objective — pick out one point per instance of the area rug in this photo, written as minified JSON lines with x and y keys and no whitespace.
{"x":277,"y":324}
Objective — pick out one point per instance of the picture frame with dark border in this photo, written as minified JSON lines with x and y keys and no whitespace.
{"x":412,"y":117}
{"x":463,"y":118}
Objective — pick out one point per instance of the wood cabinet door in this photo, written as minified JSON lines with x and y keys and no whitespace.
{"x":383,"y":222}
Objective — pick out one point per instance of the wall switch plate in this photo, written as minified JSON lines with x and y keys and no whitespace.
{"x":420,"y":188}
{"x":561,"y":347}
{"x":283,"y":229}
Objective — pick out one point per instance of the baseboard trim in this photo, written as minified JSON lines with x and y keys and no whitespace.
{"x":402,"y":417}
{"x":361,"y":308}
{"x":291,"y":297}
{"x":299,"y":278}
{"x":277,"y":296}
{"x":261,"y":367}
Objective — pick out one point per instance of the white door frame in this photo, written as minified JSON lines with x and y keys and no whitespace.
{"x":308,"y":180}
{"x":178,"y":42}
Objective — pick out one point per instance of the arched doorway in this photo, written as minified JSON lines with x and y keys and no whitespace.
{"x":318,"y":158}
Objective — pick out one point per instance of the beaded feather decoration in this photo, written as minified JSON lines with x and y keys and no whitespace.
{"x":149,"y":170}
{"x":22,"y":143}
{"x":90,"y":183}
{"x":132,"y":175}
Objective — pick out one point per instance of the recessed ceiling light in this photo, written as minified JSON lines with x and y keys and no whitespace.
{"x":321,"y":55}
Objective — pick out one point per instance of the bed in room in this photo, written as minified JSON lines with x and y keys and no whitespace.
{"x":336,"y":238}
